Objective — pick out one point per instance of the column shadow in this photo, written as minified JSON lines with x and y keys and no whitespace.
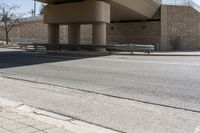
{"x":17,"y":58}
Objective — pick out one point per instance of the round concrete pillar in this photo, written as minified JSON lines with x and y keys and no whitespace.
{"x":74,"y":33}
{"x":99,"y":33}
{"x":53,"y":33}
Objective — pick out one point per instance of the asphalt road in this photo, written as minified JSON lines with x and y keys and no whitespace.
{"x":165,"y":81}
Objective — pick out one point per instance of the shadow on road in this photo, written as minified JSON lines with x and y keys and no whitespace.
{"x":17,"y":58}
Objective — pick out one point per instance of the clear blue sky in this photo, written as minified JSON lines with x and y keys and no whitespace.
{"x":27,"y":5}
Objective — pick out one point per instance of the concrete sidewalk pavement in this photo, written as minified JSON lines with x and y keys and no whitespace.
{"x":13,"y":122}
{"x":15,"y":117}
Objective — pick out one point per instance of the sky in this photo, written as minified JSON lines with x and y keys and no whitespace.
{"x":27,"y":5}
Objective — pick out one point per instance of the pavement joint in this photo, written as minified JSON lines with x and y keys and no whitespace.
{"x":42,"y":114}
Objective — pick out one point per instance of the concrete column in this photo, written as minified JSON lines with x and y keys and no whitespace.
{"x":53,"y":33}
{"x":99,"y":33}
{"x":74,"y":33}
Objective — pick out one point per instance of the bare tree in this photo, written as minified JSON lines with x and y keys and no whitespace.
{"x":9,"y":18}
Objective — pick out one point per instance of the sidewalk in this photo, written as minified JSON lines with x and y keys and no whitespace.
{"x":156,"y":53}
{"x":16,"y":117}
{"x":13,"y":122}
{"x":175,"y":53}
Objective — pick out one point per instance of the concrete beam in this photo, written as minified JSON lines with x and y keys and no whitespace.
{"x":120,"y":9}
{"x":77,"y":12}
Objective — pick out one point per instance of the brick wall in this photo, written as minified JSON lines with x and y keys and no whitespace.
{"x":31,"y":31}
{"x":135,"y":32}
{"x":27,"y":31}
{"x":183,"y":28}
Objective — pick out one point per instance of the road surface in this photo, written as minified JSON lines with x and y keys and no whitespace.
{"x":97,"y":89}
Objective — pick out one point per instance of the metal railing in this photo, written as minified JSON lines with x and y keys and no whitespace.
{"x":190,"y":3}
{"x":77,"y":47}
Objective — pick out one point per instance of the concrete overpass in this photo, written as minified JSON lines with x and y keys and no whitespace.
{"x":96,"y":12}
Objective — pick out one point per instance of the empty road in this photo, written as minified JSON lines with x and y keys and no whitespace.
{"x":88,"y":87}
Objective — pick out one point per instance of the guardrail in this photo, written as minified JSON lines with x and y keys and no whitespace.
{"x":190,"y":3}
{"x":109,"y":47}
{"x":131,"y":48}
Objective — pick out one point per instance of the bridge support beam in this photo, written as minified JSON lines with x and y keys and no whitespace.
{"x":53,"y":36}
{"x":74,"y":33}
{"x":99,"y":33}
{"x":53,"y":33}
{"x":93,"y":12}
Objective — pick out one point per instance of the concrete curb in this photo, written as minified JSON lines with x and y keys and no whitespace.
{"x":10,"y":103}
{"x":67,"y":123}
{"x":87,"y":53}
{"x":115,"y":53}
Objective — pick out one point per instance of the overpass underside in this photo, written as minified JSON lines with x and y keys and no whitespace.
{"x":96,"y":12}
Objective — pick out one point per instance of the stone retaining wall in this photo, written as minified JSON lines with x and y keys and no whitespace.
{"x":134,"y":32}
{"x":181,"y":26}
